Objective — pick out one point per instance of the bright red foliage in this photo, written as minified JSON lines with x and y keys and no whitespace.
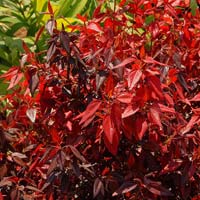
{"x":112,"y":113}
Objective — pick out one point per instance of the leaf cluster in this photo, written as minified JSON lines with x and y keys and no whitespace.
{"x":111,"y":112}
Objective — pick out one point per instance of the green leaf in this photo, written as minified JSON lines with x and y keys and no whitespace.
{"x":71,"y":8}
{"x":149,"y":19}
{"x":193,"y":7}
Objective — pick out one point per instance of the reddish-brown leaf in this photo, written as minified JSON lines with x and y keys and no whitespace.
{"x":65,"y":41}
{"x":26,"y":48}
{"x":124,"y":188}
{"x":171,"y":166}
{"x":89,"y":112}
{"x":100,"y":78}
{"x":51,"y":51}
{"x":98,"y":187}
{"x":156,"y":188}
{"x":131,"y":160}
{"x":128,"y":127}
{"x":77,"y":153}
{"x":19,"y":161}
{"x":159,"y":190}
{"x":124,"y":62}
{"x":33,"y":83}
{"x":50,"y":9}
{"x":39,"y":33}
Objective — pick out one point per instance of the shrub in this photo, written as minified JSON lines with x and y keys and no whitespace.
{"x":113,"y":112}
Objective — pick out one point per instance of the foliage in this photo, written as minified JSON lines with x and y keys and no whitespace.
{"x":113,"y":112}
{"x":21,"y":20}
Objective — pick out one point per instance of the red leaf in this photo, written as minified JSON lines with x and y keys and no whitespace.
{"x":124,"y":62}
{"x":156,"y":86}
{"x":169,"y":99}
{"x":128,"y":127}
{"x":111,"y":135}
{"x":122,"y":2}
{"x":55,"y":135}
{"x":154,"y":116}
{"x":109,"y":129}
{"x":141,"y":127}
{"x":112,"y":148}
{"x":116,"y":116}
{"x":50,"y":9}
{"x":190,"y":125}
{"x":197,"y":197}
{"x":125,"y":97}
{"x":82,"y":18}
{"x":26,"y":48}
{"x":171,"y":10}
{"x":133,"y":78}
{"x":1,"y":196}
{"x":130,"y":110}
{"x":109,"y":85}
{"x":171,"y":166}
{"x":196,"y":97}
{"x":15,"y":80}
{"x":131,"y":160}
{"x":13,"y":75}
{"x":38,"y":34}
{"x":150,"y":60}
{"x":94,"y":26}
{"x":142,"y":52}
{"x":10,"y":73}
{"x":89,"y":112}
{"x":164,"y":108}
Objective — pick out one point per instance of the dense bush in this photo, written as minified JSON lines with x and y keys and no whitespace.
{"x":21,"y":20}
{"x":113,"y":112}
